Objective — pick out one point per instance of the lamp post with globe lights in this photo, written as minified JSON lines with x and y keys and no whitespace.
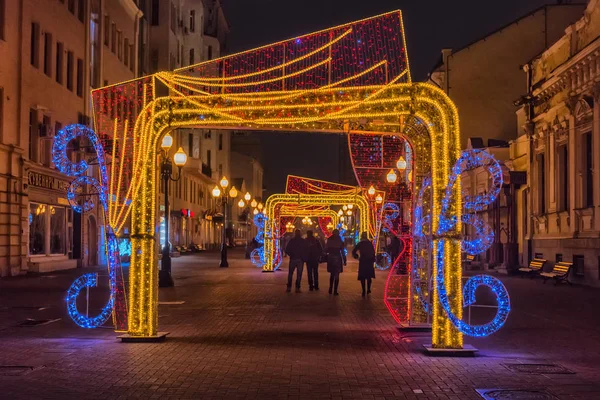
{"x":165,"y":278}
{"x":221,"y":194}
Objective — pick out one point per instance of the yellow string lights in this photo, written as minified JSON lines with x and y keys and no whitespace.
{"x":373,"y":98}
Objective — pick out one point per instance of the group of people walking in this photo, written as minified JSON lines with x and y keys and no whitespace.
{"x":311,"y":252}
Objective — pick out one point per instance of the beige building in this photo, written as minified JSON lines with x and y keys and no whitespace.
{"x":53,"y":52}
{"x":484,"y":77}
{"x":559,"y":149}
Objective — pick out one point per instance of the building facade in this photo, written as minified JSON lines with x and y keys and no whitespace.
{"x":559,"y":149}
{"x":471,"y":75}
{"x":53,"y":53}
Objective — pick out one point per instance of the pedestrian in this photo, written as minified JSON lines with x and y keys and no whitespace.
{"x":315,"y":251}
{"x":297,"y":250}
{"x":336,"y":260}
{"x":366,"y":269}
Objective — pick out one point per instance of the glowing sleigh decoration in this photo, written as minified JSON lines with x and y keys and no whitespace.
{"x":484,"y":237}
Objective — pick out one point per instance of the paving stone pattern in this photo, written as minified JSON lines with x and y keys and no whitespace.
{"x":239,"y":335}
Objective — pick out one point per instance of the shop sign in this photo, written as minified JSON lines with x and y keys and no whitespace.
{"x":36,"y":179}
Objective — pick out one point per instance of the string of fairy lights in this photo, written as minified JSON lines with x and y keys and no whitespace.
{"x":351,"y":79}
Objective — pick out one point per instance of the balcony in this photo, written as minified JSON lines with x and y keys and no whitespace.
{"x":195,"y":166}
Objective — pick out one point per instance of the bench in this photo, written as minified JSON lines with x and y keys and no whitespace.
{"x":559,"y":273}
{"x":536,"y":266}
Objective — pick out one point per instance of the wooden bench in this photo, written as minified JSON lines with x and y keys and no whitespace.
{"x":536,"y":266}
{"x":559,"y":273}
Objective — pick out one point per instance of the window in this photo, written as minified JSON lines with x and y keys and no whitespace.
{"x":57,"y":127}
{"x":120,"y":45}
{"x":60,"y":49}
{"x":79,"y":77}
{"x":210,"y":52}
{"x":106,"y":31}
{"x":33,"y":134}
{"x":37,"y":229}
{"x":578,"y":265}
{"x":192,"y":57}
{"x":155,"y":14}
{"x":190,"y":144}
{"x":113,"y":33}
{"x":563,"y":178}
{"x":45,"y":143}
{"x":126,"y":53}
{"x":588,"y":175}
{"x":70,"y":70}
{"x":71,"y":6}
{"x":208,"y":159}
{"x":173,"y":17}
{"x":57,"y":230}
{"x":48,"y":54}
{"x":34,"y":46}
{"x":178,"y":53}
{"x":81,"y":10}
{"x":220,"y":141}
{"x":542,"y":184}
{"x":2,"y":18}
{"x":95,"y":45}
{"x":192,"y":20}
{"x":131,"y":58}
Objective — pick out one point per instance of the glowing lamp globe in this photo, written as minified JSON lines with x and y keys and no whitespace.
{"x":255,"y":211}
{"x":180,"y":158}
{"x":216,"y":192}
{"x":350,"y":206}
{"x":247,"y":196}
{"x":166,"y":143}
{"x":345,"y":208}
{"x":401,"y":164}
{"x":371,"y":191}
{"x":260,"y":206}
{"x":254,"y":203}
{"x":224,"y":182}
{"x":349,"y":212}
{"x":379,"y":199}
{"x":391,"y":176}
{"x":340,"y":213}
{"x":241,"y":204}
{"x":233,"y":192}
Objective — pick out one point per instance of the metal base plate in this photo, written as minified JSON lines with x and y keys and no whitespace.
{"x":466,"y":351}
{"x":160,"y":337}
{"x":406,"y":327}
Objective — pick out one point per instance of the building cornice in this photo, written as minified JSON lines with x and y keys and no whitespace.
{"x":131,"y":8}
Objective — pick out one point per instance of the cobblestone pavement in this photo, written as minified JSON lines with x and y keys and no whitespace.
{"x":240,"y":335}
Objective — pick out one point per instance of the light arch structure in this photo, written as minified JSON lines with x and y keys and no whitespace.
{"x":277,"y":201}
{"x":350,"y":79}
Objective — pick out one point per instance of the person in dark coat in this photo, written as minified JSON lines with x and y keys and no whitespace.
{"x":336,"y":259}
{"x":315,"y":251}
{"x":395,"y":247}
{"x":366,"y":269}
{"x":297,"y":249}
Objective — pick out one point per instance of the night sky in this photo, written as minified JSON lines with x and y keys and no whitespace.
{"x":430,"y":26}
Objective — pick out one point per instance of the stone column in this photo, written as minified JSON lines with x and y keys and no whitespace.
{"x":596,"y":155}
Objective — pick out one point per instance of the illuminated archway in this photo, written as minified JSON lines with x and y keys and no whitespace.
{"x":352,"y":78}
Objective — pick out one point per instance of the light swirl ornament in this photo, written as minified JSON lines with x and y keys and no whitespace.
{"x":116,"y":304}
{"x":469,"y":160}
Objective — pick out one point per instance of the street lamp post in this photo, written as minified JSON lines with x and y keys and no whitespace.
{"x":222,"y":195}
{"x":165,"y":278}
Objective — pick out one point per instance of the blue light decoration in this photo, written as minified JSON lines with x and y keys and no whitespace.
{"x":86,"y":281}
{"x":383,"y":261}
{"x":77,"y":170}
{"x":472,"y":159}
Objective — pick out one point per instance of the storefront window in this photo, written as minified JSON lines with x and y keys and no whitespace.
{"x":37,"y":228}
{"x":57,"y":230}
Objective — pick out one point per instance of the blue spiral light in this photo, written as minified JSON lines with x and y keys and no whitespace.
{"x":77,"y":170}
{"x":86,"y":281}
{"x":469,"y":160}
